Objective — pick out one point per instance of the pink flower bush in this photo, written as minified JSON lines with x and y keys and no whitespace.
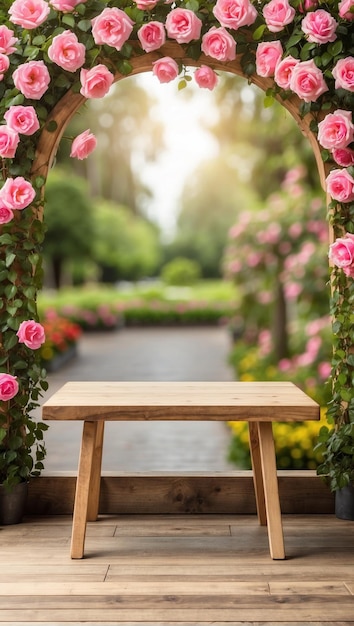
{"x":96,"y":82}
{"x":343,"y":156}
{"x":8,"y":387}
{"x":83,"y":145}
{"x":32,"y":79}
{"x":152,"y":36}
{"x":205,"y":77}
{"x":341,"y":253}
{"x":165,"y":69}
{"x":278,"y":14}
{"x":29,"y":13}
{"x":345,"y":9}
{"x":8,"y":142}
{"x":66,"y":6}
{"x":343,"y":73}
{"x":218,"y":44}
{"x":336,"y":130}
{"x":6,"y":215}
{"x":307,"y":81}
{"x":268,"y":54}
{"x":17,"y":193}
{"x":283,"y":71}
{"x":22,"y":119}
{"x":7,"y":40}
{"x":340,"y":185}
{"x":319,"y":26}
{"x":4,"y":64}
{"x":183,"y":25}
{"x":31,"y":333}
{"x":66,"y":51}
{"x":112,"y":27}
{"x":235,"y":13}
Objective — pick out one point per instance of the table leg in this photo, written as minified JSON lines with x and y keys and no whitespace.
{"x":95,"y":480}
{"x":257,"y":473}
{"x":271,"y":492}
{"x":82,"y":489}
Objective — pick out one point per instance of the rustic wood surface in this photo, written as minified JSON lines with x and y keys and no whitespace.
{"x":177,"y":570}
{"x":256,"y":401}
{"x":167,"y":493}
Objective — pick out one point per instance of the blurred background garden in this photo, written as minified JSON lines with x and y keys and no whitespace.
{"x":195,"y":208}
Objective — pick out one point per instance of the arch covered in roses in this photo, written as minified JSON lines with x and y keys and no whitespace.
{"x":54,"y":54}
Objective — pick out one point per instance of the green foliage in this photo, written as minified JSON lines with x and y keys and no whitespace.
{"x":126,"y":246}
{"x":69,"y":221}
{"x":181,"y":271}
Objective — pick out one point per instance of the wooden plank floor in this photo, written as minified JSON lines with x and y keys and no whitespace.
{"x":188,"y":571}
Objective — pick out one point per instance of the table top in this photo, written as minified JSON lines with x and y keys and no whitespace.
{"x":224,"y":401}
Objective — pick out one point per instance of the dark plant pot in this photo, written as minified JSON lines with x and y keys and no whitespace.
{"x":12,"y":504}
{"x":344,"y":503}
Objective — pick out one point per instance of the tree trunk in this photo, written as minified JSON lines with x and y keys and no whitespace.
{"x":280,"y":330}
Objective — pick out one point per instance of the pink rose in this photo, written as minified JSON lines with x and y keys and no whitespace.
{"x":205,"y":77}
{"x":112,"y":27}
{"x":307,"y":81}
{"x":23,"y":119}
{"x":7,"y":40}
{"x":343,"y":156}
{"x":66,"y":6}
{"x":4,"y":64}
{"x":268,"y":54}
{"x":6,"y":215}
{"x":31,"y":333}
{"x":29,"y":13}
{"x":146,"y":4}
{"x":165,"y":69}
{"x":183,"y":25}
{"x":343,"y":73}
{"x":32,"y":79}
{"x":218,"y":44}
{"x":277,"y":14}
{"x":235,"y":13}
{"x":284,"y":70}
{"x":66,"y":51}
{"x":340,"y":185}
{"x":83,"y":145}
{"x":336,"y":130}
{"x":8,"y":142}
{"x":308,"y":5}
{"x":345,"y":9}
{"x":319,"y":26}
{"x":152,"y":36}
{"x":17,"y":193}
{"x":8,"y":387}
{"x":96,"y":82}
{"x":341,"y":253}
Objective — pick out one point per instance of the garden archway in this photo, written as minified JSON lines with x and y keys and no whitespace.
{"x":50,"y":50}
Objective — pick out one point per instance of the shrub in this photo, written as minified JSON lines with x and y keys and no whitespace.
{"x":181,"y":271}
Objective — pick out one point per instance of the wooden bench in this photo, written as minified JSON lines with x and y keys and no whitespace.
{"x":258,"y":403}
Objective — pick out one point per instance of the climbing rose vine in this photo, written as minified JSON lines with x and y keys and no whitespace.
{"x":303,"y":48}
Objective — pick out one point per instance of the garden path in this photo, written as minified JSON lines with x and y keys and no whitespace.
{"x":164,"y":354}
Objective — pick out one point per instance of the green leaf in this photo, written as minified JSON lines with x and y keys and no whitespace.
{"x":3,"y":432}
{"x":10,"y":341}
{"x":6,"y":239}
{"x":335,"y":48}
{"x":10,"y":291}
{"x":258,"y":33}
{"x":39,"y":181}
{"x":192,"y":5}
{"x":84,"y":25}
{"x":31,"y":52}
{"x":69,"y":20}
{"x":182,"y":84}
{"x":10,"y":257}
{"x":39,"y":40}
{"x":294,"y":39}
{"x":51,"y":126}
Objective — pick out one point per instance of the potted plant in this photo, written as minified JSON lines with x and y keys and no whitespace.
{"x":21,"y":437}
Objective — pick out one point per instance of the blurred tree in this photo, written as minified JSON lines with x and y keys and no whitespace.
{"x":210,"y":200}
{"x":276,"y":257}
{"x":69,"y":221}
{"x":126,"y":246}
{"x":128,"y":135}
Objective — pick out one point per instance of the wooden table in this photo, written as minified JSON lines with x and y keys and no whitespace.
{"x":258,"y":403}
